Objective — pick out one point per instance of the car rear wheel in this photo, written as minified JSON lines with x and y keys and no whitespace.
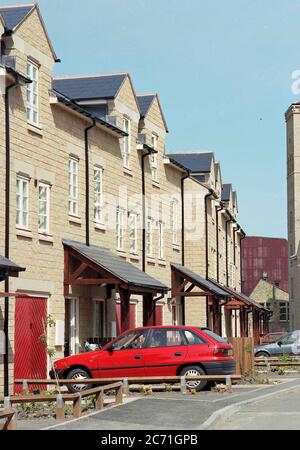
{"x":262,"y":355}
{"x":194,"y":371}
{"x":78,"y":374}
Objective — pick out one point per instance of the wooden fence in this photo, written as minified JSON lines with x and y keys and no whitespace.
{"x":243,"y":350}
{"x":75,"y":399}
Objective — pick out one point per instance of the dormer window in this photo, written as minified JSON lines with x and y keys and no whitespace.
{"x":32,"y":109}
{"x":127,"y":143}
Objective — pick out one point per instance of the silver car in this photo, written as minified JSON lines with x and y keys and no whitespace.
{"x":288,"y":344}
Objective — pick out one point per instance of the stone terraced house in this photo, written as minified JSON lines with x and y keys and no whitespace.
{"x":113,"y":231}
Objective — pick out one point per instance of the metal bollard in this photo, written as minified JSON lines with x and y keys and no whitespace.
{"x":183,"y":385}
{"x":25,"y":388}
{"x":125,"y":386}
{"x":229,"y":382}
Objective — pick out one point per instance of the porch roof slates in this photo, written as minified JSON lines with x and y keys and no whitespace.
{"x":199,"y":281}
{"x":7,"y":266}
{"x":117,"y":266}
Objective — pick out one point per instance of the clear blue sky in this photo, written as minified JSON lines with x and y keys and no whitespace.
{"x":223,"y":70}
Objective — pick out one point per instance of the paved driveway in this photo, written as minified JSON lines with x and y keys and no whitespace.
{"x":281,"y":412}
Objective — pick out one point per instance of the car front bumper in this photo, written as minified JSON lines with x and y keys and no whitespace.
{"x":220,"y":367}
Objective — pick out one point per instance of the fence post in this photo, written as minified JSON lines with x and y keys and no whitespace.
{"x":60,"y":407}
{"x":25,"y":388}
{"x":125,"y":386}
{"x":77,"y":407}
{"x":100,"y":400}
{"x":119,"y":395}
{"x":183,"y":385}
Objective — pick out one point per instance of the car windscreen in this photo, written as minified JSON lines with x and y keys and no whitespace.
{"x":215,"y":336}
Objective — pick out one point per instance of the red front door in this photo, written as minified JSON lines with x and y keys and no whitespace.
{"x":159,"y":315}
{"x":30,"y":359}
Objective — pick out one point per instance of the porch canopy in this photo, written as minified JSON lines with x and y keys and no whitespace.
{"x":184,"y":283}
{"x":246,"y":305}
{"x":9,"y":268}
{"x":98,"y":266}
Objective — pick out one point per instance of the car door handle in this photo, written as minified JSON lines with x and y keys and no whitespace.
{"x":178,"y":354}
{"x":138,"y":357}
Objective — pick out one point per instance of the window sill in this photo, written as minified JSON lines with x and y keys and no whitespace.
{"x":46,"y":237}
{"x":100,"y":226}
{"x":127,"y":171}
{"x":134,"y":257}
{"x":176,"y":247}
{"x":35,"y":129}
{"x":155,"y":184}
{"x":122,"y":253}
{"x":162,"y":263}
{"x":151,"y":260}
{"x":24,"y":233}
{"x":75,"y":219}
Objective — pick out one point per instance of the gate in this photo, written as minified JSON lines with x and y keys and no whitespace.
{"x":30,"y":357}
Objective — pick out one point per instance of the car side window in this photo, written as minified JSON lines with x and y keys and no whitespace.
{"x":131,"y":341}
{"x":193,"y":338}
{"x":166,"y":338}
{"x":290,"y":338}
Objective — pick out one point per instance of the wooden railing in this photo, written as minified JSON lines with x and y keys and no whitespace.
{"x":62,"y":399}
{"x":276,"y":362}
{"x":8,"y":416}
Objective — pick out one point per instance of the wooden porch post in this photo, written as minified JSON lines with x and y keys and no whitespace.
{"x":148,"y":310}
{"x":125,"y":309}
{"x":266,"y":324}
{"x":228,"y":322}
{"x":216,"y":307}
{"x":243,"y":322}
{"x":256,"y":326}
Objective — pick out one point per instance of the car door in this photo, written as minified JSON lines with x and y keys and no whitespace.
{"x":289,"y":344}
{"x":166,"y":350}
{"x":124,"y":358}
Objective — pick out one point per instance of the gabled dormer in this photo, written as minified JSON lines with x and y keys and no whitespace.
{"x":218,"y":179}
{"x":25,"y":33}
{"x":227,"y":196}
{"x":108,"y":96}
{"x":152,"y":116}
{"x":200,"y":164}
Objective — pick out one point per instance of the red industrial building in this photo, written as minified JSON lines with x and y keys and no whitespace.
{"x":264,"y":257}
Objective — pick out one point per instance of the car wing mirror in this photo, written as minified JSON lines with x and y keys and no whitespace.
{"x":279,"y":343}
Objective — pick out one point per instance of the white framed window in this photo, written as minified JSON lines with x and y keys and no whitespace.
{"x":133,"y":232}
{"x":149,"y":249}
{"x":283,"y":312}
{"x":32,"y":98}
{"x":153,"y":157}
{"x":126,"y":143}
{"x":98,"y":194}
{"x":120,"y":228}
{"x":73,"y":186}
{"x":175,"y":220}
{"x":44,"y":208}
{"x":22,"y":202}
{"x":161,"y":252}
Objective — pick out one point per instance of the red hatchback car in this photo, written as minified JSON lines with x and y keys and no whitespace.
{"x":153,"y":351}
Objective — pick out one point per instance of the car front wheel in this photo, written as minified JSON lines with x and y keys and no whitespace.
{"x":78,"y":374}
{"x":194,"y":371}
{"x":262,"y":355}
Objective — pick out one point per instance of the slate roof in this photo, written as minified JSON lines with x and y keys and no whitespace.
{"x":145,"y":101}
{"x":194,"y":162}
{"x":13,"y":15}
{"x":117,"y":266}
{"x":226,"y":191}
{"x":90,"y":87}
{"x":201,"y":281}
